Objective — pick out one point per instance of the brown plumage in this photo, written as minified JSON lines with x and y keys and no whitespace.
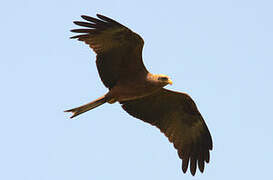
{"x":121,"y":69}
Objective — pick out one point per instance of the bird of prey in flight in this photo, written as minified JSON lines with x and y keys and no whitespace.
{"x":141,"y":93}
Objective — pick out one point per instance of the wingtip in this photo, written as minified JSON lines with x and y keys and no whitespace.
{"x":78,"y":23}
{"x":193,"y":172}
{"x":184,"y":169}
{"x":201,"y":168}
{"x":185,"y":163}
{"x":207,"y":157}
{"x":84,"y":16}
{"x":79,"y":36}
{"x":107,"y":19}
{"x":99,"y":15}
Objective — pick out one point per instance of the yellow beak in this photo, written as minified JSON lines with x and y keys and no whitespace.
{"x":170,"y":82}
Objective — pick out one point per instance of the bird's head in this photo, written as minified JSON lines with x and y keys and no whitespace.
{"x":161,"y":79}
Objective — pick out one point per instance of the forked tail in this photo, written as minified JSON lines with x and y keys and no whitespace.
{"x":79,"y":110}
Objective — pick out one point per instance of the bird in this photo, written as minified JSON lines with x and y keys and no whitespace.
{"x":142,"y":94}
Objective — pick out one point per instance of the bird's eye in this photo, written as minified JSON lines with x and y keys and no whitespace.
{"x":163,"y":78}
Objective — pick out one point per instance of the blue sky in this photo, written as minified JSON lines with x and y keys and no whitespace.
{"x":219,"y":52}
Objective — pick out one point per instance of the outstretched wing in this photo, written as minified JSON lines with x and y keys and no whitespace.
{"x":118,"y":49}
{"x":177,"y":116}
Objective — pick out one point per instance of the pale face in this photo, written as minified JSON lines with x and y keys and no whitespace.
{"x":164,"y":79}
{"x":159,"y":79}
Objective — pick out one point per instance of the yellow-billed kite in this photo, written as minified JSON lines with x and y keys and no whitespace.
{"x":141,"y":93}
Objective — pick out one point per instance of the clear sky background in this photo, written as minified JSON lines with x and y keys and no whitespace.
{"x":219,"y":52}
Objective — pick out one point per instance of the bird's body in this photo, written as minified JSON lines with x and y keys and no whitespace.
{"x":141,"y":93}
{"x":143,"y":86}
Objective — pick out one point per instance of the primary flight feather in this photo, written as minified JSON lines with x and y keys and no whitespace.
{"x":141,"y":93}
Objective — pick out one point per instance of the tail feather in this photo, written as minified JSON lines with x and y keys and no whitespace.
{"x":79,"y":110}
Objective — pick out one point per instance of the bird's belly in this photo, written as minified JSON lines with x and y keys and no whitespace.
{"x":132,"y":96}
{"x":129,"y":93}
